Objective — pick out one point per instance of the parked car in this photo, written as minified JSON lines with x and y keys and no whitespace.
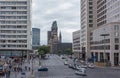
{"x":63,"y":57}
{"x":81,"y":71}
{"x":71,"y":66}
{"x":41,"y":68}
{"x":91,"y":66}
{"x":65,"y":63}
{"x":83,"y":66}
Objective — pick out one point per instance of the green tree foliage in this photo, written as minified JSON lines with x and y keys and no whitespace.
{"x":43,"y":50}
{"x":59,"y":52}
{"x":68,"y":51}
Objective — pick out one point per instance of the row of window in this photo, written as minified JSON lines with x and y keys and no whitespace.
{"x":13,"y":41}
{"x":13,"y":7}
{"x":13,"y":12}
{"x":116,"y":40}
{"x":100,"y":3}
{"x":13,"y":26}
{"x":101,"y":23}
{"x":13,"y":36}
{"x":13,"y":2}
{"x":13,"y":22}
{"x":13,"y":31}
{"x":12,"y":46}
{"x":104,"y":47}
{"x":13,"y":17}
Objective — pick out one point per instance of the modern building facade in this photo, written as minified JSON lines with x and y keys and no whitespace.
{"x":15,"y":27}
{"x":108,"y":11}
{"x":88,"y":23}
{"x":35,"y":38}
{"x":105,"y":43}
{"x":106,"y":18}
{"x":76,"y":44}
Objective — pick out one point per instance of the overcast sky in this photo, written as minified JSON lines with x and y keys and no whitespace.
{"x":65,"y":12}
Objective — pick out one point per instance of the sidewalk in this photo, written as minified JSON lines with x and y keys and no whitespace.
{"x":28,"y":74}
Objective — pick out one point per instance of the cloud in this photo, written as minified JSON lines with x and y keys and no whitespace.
{"x":66,"y":12}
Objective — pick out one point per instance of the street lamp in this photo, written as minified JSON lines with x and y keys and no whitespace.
{"x":104,"y":35}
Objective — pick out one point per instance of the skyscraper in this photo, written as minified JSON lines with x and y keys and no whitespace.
{"x":88,"y":15}
{"x":15,"y":27}
{"x":35,"y":38}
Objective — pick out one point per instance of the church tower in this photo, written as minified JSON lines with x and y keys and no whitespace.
{"x":54,"y":37}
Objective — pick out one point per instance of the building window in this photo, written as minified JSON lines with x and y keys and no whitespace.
{"x":90,"y":16}
{"x":13,"y":7}
{"x":116,"y":40}
{"x":116,"y":27}
{"x":91,"y":12}
{"x":90,"y":25}
{"x":116,"y":34}
{"x":90,"y":21}
{"x":116,"y":47}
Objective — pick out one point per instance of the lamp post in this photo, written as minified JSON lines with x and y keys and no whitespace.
{"x":104,"y":35}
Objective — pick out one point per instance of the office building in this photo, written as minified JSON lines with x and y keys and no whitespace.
{"x":35,"y":38}
{"x":88,"y":23}
{"x":105,"y":44}
{"x":105,"y":21}
{"x":106,"y":48}
{"x":15,"y":27}
{"x":76,"y":44}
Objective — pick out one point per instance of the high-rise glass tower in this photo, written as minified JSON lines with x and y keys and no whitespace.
{"x":35,"y":38}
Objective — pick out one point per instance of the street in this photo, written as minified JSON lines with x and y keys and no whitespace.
{"x":57,"y":69}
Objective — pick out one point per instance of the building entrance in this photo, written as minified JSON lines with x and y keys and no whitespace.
{"x":116,"y":59}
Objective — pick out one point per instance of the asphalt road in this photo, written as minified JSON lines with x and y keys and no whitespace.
{"x":57,"y":69}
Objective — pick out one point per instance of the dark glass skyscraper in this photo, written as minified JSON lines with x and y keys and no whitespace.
{"x":35,"y":38}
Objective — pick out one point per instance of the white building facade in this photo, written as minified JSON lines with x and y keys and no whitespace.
{"x":76,"y":44}
{"x":88,"y":23}
{"x":15,"y":27}
{"x":105,"y":45}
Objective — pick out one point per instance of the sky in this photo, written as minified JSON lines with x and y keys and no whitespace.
{"x":65,"y":12}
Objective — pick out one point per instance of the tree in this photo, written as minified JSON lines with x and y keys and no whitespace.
{"x":59,"y":52}
{"x":68,"y":51}
{"x":43,"y":50}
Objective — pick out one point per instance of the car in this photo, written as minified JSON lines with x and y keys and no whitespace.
{"x":81,"y":71}
{"x":65,"y":63}
{"x":83,"y":66}
{"x":71,"y":66}
{"x":42,"y":68}
{"x":91,"y":66}
{"x":63,"y":57}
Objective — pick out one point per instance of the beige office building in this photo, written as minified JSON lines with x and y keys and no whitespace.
{"x":96,"y":16}
{"x":15,"y":27}
{"x":76,"y":44}
{"x":88,"y":15}
{"x":105,"y":44}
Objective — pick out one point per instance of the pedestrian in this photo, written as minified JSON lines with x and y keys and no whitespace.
{"x":25,"y":67}
{"x":29,"y":68}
